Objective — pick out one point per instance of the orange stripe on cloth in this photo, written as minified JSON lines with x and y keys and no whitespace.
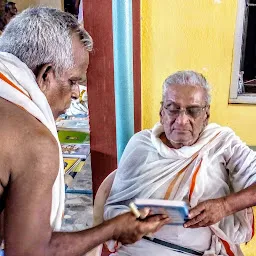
{"x":5,"y":79}
{"x":170,"y":187}
{"x":252,"y":224}
{"x":227,"y":247}
{"x":193,"y":183}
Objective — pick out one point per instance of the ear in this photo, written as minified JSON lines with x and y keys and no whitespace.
{"x":161,"y":113}
{"x":43,"y":76}
{"x":207,"y":112}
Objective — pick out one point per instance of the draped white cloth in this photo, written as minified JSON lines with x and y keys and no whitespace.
{"x":37,"y":105}
{"x":148,"y":166}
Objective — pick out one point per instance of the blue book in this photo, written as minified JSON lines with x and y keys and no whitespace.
{"x":176,"y":210}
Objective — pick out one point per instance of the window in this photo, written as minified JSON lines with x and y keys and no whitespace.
{"x":243,"y":87}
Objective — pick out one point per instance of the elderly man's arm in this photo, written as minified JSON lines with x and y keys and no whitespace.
{"x":28,"y":206}
{"x":240,"y":162}
{"x":212,"y":211}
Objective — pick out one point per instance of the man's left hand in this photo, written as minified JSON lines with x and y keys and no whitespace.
{"x":207,"y":213}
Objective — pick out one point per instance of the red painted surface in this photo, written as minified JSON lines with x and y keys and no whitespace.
{"x":98,"y":22}
{"x":136,"y":64}
{"x":101,"y":100}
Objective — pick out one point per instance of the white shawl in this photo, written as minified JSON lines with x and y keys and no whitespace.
{"x":37,"y":105}
{"x":148,"y":166}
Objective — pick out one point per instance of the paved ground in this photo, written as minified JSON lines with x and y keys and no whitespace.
{"x":79,"y":207}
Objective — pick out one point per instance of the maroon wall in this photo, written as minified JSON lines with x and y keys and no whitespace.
{"x":98,"y":22}
{"x":136,"y":64}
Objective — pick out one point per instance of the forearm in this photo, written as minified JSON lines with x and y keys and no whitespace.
{"x":212,"y":211}
{"x":79,"y":243}
{"x":241,"y":200}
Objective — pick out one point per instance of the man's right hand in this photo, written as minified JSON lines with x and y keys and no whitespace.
{"x":128,"y":229}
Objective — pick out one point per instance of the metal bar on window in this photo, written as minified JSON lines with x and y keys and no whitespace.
{"x":233,"y":93}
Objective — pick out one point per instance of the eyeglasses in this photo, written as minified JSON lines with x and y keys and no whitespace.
{"x":192,"y":112}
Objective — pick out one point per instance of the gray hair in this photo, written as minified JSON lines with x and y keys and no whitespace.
{"x":43,"y":35}
{"x":189,"y":78}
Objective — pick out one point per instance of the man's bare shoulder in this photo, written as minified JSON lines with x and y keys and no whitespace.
{"x":24,"y":138}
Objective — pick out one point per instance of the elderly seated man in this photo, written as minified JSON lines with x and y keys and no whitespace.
{"x":184,"y":158}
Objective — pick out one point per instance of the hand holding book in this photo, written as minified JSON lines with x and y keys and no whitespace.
{"x":177,"y":211}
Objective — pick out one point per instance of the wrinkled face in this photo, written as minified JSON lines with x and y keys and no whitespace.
{"x":184,"y":114}
{"x":61,"y":89}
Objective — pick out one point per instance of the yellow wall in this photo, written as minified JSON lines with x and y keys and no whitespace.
{"x":197,"y":35}
{"x":23,"y":4}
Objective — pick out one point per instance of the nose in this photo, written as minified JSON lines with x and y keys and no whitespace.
{"x":182,"y":118}
{"x":75,"y":92}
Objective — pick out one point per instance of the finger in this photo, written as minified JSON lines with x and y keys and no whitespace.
{"x":162,"y":223}
{"x":157,"y":217}
{"x":150,"y":226}
{"x":196,"y":210}
{"x":144,"y":212}
{"x":195,"y":220}
{"x":201,"y":224}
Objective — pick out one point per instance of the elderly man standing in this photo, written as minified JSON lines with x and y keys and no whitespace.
{"x":185,"y":158}
{"x":44,"y":56}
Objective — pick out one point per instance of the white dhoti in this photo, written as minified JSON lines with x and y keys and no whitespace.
{"x":215,"y":166}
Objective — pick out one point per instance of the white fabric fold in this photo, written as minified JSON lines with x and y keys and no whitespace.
{"x":148,"y":166}
{"x":34,"y":102}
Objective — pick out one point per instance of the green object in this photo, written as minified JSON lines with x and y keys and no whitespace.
{"x":73,"y":137}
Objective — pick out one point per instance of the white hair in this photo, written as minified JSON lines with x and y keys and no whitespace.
{"x":43,"y":35}
{"x":188,"y":78}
